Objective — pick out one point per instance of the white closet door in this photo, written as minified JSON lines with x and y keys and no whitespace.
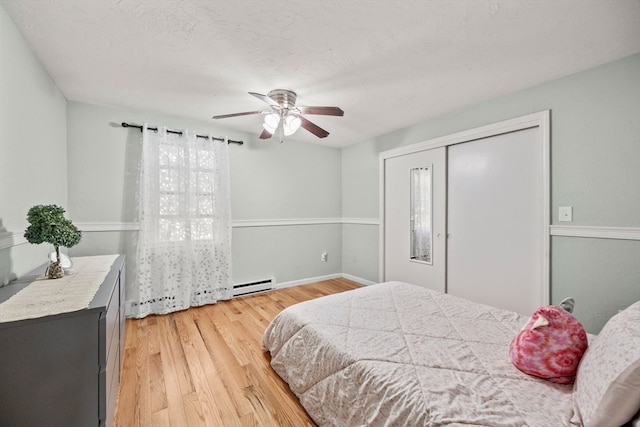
{"x":495,"y":220}
{"x":399,"y":263}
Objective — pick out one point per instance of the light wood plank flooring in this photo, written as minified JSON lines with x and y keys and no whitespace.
{"x":205,"y":366}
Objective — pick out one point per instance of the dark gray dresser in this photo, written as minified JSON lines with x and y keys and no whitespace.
{"x":63,"y":370}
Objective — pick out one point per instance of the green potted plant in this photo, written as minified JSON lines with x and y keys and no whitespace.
{"x":48,"y":225}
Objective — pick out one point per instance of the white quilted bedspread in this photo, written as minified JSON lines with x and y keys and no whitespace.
{"x":395,"y":354}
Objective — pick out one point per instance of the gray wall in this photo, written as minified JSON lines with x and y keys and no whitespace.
{"x":269,"y":181}
{"x":595,"y":152}
{"x":52,"y":151}
{"x":75,"y":155}
{"x":33,"y":148}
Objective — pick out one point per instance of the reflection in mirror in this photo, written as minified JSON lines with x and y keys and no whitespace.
{"x":420,"y":215}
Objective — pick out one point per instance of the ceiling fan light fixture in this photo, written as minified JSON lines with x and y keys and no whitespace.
{"x":271,"y":122}
{"x":284,"y":118}
{"x":291,"y":124}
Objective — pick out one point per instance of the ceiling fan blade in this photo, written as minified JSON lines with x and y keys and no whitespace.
{"x":325,"y":111}
{"x":265,"y":134}
{"x":313,"y":128}
{"x":225,"y":116}
{"x":265,"y":98}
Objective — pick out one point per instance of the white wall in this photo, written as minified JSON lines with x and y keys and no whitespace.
{"x":33,"y":148}
{"x":595,"y":151}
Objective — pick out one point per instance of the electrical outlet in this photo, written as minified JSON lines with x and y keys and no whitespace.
{"x":324,"y":256}
{"x":565,"y":213}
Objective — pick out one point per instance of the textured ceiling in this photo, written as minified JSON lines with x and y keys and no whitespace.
{"x":387,"y":64}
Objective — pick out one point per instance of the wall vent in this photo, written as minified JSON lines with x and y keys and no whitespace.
{"x":256,"y":286}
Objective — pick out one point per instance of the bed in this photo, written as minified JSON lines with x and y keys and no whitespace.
{"x":395,"y":354}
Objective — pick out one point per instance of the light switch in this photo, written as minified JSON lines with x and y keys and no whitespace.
{"x":565,"y":213}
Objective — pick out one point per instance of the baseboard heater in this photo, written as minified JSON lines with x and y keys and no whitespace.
{"x":256,"y":286}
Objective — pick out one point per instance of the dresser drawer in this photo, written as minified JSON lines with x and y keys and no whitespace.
{"x":112,"y":334}
{"x":108,"y":368}
{"x":109,"y":377}
{"x":113,"y":382}
{"x":113,"y":353}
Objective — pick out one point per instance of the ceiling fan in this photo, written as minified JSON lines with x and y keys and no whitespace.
{"x":284,"y":117}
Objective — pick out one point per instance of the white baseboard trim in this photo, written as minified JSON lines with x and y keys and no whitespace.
{"x":619,"y":233}
{"x":321,"y":278}
{"x":306,"y":281}
{"x":11,"y":238}
{"x":360,"y":280}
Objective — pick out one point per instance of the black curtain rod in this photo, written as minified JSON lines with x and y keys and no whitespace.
{"x":133,"y":125}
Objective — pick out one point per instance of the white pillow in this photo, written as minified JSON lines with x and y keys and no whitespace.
{"x":607,"y":387}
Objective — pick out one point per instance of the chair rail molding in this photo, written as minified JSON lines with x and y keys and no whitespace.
{"x":241,"y":223}
{"x":91,"y":227}
{"x":11,"y":238}
{"x":596,"y":232}
{"x":15,"y":238}
{"x":301,"y":221}
{"x":361,"y":221}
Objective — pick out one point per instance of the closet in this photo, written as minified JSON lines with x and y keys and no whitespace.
{"x":468,"y":214}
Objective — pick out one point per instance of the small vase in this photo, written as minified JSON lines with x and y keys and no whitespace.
{"x":55,"y":271}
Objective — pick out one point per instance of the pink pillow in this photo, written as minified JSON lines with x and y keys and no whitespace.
{"x":550,"y":345}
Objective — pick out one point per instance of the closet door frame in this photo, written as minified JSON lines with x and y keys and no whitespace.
{"x":540,"y":120}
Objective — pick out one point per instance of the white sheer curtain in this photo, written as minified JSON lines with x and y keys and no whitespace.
{"x":184,"y":243}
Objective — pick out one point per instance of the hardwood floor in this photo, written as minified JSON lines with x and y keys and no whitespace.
{"x":205,"y":366}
